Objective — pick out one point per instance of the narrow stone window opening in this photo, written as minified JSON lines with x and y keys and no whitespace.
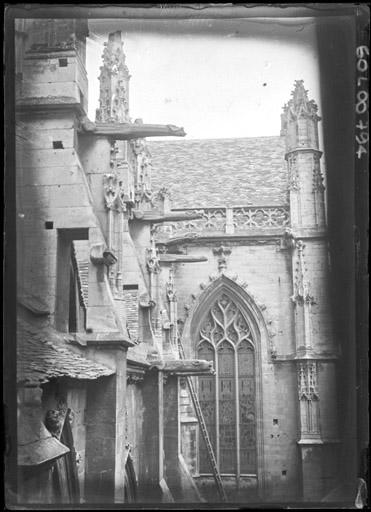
{"x":70,"y":313}
{"x":63,"y":63}
{"x":130,"y":287}
{"x":49,"y":224}
{"x":275,"y":422}
{"x":57,"y":144}
{"x":284,"y":472}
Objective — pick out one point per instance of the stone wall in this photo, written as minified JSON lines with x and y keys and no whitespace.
{"x":134,"y":431}
{"x":266,"y":268}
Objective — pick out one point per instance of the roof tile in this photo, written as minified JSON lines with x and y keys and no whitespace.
{"x":221,"y":172}
{"x":43,"y":355}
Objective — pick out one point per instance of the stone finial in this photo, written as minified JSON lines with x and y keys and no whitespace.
{"x":163,"y":197}
{"x":299,"y":104}
{"x":144,"y":171}
{"x":111,"y":189}
{"x":170,"y":286}
{"x":114,"y":83}
{"x":153,"y":262}
{"x":307,"y":380}
{"x":302,"y":293}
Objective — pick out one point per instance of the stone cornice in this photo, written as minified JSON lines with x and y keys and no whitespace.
{"x":309,"y":233}
{"x":156,"y":217}
{"x":49,"y":103}
{"x":181,"y":258}
{"x":288,"y":358}
{"x":303,"y":150}
{"x":106,"y":340}
{"x":268,"y":236}
{"x":310,"y":441}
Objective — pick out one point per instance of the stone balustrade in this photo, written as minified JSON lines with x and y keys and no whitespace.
{"x":229,"y":221}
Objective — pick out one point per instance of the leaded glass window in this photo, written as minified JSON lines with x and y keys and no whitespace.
{"x":228,"y":398}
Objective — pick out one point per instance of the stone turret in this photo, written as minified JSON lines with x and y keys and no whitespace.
{"x":299,"y":126}
{"x":315,"y":349}
{"x":299,"y":121}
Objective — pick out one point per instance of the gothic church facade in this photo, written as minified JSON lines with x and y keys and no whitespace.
{"x":129,"y":250}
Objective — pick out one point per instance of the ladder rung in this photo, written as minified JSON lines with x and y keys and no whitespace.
{"x":205,"y":433}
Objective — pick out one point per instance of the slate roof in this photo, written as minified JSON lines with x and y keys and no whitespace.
{"x":221,"y":172}
{"x":43,"y":354}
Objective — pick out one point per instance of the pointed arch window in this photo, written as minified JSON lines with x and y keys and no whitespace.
{"x":228,"y":398}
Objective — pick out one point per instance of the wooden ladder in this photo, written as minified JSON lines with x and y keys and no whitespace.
{"x":201,"y":420}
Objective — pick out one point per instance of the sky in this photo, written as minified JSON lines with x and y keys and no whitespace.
{"x":216,"y":78}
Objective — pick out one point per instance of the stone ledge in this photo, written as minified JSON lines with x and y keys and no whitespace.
{"x":48,"y":102}
{"x":304,"y":442}
{"x":282,"y":358}
{"x":101,"y":339}
{"x":264,"y":235}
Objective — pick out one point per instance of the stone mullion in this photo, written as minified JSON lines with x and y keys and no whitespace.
{"x":229,"y":224}
{"x":160,"y":426}
{"x":238,"y":454}
{"x":217,"y":430}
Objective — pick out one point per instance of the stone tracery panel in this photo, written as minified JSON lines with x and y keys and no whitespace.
{"x":229,"y":220}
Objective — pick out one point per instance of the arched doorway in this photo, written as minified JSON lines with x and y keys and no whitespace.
{"x":228,"y":400}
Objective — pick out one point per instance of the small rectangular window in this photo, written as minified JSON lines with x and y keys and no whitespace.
{"x":57,"y":144}
{"x":49,"y":224}
{"x":63,"y":63}
{"x":130,"y":287}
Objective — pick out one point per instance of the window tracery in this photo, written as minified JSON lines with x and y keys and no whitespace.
{"x":228,"y":398}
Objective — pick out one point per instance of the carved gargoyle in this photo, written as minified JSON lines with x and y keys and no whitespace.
{"x":189,"y":366}
{"x":127,"y":131}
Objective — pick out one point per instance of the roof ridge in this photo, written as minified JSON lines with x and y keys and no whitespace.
{"x":184,"y":140}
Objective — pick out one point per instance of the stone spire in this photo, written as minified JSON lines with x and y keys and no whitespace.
{"x":299,"y":104}
{"x":114,"y":83}
{"x":299,"y":120}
